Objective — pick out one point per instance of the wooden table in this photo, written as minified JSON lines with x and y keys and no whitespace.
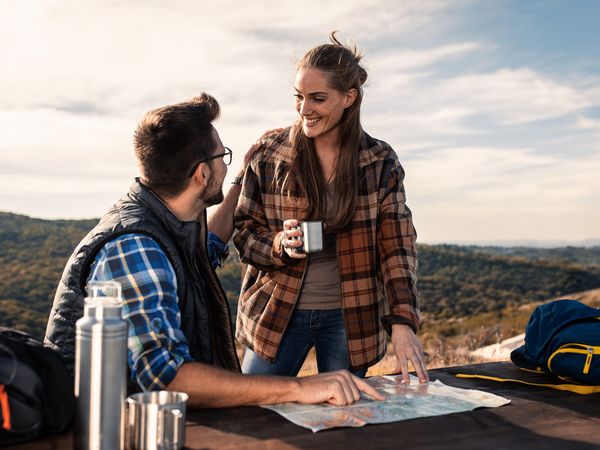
{"x":537,"y":418}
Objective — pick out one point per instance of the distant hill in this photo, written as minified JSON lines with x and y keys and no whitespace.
{"x":459,"y":281}
{"x":33,"y":253}
{"x":589,"y":256}
{"x":454,"y":281}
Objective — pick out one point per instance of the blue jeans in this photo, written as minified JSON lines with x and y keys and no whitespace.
{"x":323,"y":329}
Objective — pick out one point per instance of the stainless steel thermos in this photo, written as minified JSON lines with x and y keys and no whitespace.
{"x":101,"y":369}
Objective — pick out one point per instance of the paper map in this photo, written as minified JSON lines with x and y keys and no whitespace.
{"x":402,"y":402}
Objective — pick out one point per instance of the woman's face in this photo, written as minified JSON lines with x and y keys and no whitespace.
{"x":320,"y":106}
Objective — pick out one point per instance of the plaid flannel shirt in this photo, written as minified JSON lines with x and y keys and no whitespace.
{"x":376,"y":254}
{"x":156,"y":344}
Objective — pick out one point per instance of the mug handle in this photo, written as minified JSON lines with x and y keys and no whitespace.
{"x":129,"y":433}
{"x":176,"y":417}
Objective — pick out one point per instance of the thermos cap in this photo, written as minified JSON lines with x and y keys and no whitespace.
{"x":103,"y":307}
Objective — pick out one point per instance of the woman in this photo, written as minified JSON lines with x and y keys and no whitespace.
{"x":326,"y":168}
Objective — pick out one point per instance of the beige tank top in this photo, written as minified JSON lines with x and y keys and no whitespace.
{"x":321,"y":286}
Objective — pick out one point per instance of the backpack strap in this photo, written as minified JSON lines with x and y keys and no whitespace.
{"x":5,"y":408}
{"x":14,"y":367}
{"x":577,"y":388}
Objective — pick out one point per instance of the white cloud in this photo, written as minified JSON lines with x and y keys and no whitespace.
{"x":391,"y":62}
{"x":59,"y":164}
{"x":123,"y":56}
{"x":491,"y":175}
{"x":77,"y":76}
{"x":586,"y":123}
{"x":457,"y":105}
{"x":478,"y":191}
{"x":516,"y":96}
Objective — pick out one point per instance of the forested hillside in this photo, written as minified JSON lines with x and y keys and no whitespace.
{"x":453,"y":281}
{"x":459,"y":281}
{"x":588,"y":256}
{"x":33,"y":253}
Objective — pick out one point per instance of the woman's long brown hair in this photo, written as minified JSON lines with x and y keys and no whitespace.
{"x":342,"y":67}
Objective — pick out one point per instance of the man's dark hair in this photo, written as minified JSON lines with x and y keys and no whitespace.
{"x":171,"y":139}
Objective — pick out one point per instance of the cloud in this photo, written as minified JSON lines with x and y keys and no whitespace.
{"x":393,"y":61}
{"x":587,"y":123}
{"x":475,"y":190}
{"x":518,"y":108}
{"x":504,"y":98}
{"x":128,"y":55}
{"x":490,"y":146}
{"x":516,"y":96}
{"x":45,"y":149}
{"x":504,"y":174}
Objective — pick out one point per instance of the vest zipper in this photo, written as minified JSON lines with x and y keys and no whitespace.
{"x":588,"y":360}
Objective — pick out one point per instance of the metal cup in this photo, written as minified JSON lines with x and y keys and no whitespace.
{"x":312,"y":237}
{"x":156,"y":421}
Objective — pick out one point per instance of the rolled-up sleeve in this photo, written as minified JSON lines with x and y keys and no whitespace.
{"x":218,"y":251}
{"x":156,"y":344}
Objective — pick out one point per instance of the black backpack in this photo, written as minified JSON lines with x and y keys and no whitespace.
{"x":36,"y":392}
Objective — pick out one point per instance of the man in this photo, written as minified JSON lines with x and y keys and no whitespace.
{"x":154,"y":242}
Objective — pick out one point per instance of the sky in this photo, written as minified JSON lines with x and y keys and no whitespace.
{"x":493,"y":107}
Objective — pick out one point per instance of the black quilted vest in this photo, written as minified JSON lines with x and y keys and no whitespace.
{"x":205,"y":315}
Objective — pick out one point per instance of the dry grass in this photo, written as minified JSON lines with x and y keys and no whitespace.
{"x":437,"y":352}
{"x":449,"y":342}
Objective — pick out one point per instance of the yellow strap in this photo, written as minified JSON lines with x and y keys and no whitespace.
{"x":578,"y":389}
{"x":537,"y":370}
{"x":585,"y":349}
{"x":5,"y":407}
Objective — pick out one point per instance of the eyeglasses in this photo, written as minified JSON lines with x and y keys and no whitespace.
{"x":226,"y":159}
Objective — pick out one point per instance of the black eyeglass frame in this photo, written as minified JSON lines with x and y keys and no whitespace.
{"x":227,"y":156}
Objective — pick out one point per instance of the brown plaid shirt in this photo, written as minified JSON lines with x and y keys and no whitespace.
{"x":376,"y":254}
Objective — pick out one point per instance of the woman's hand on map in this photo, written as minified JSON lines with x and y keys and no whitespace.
{"x":338,"y":388}
{"x":408,"y":347}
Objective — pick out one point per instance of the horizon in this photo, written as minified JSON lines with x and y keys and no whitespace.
{"x":525,"y":243}
{"x":492,"y":107}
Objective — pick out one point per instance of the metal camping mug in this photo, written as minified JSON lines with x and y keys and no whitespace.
{"x":312,"y":237}
{"x":156,"y":421}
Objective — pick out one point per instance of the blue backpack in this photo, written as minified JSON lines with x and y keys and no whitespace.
{"x":562,"y":338}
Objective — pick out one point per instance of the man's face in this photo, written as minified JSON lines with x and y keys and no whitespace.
{"x":213,"y":194}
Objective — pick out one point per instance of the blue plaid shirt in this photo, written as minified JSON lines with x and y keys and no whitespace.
{"x":156,"y":344}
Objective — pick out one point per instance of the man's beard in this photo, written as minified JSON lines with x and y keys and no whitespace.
{"x":213,"y":195}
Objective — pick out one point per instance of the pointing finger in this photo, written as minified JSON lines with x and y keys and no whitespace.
{"x":363,"y":386}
